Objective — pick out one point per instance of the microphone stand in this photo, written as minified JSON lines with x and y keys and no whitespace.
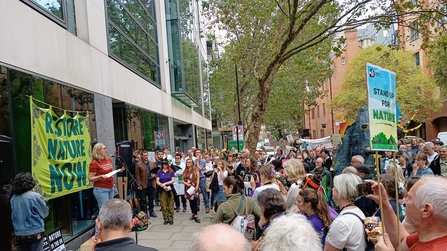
{"x":123,"y":163}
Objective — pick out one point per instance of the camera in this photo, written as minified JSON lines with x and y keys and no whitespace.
{"x":364,"y":189}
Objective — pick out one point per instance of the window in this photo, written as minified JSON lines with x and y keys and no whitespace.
{"x":343,"y":60}
{"x":314,"y":134}
{"x":414,"y":29}
{"x":133,"y":37}
{"x":318,"y":111}
{"x":324,"y":110}
{"x":61,"y":12}
{"x":313,"y":113}
{"x":417,"y":59}
{"x":321,"y":133}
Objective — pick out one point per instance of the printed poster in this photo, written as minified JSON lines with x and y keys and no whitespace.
{"x":382,"y":108}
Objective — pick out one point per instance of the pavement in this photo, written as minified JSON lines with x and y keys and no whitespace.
{"x":172,"y":237}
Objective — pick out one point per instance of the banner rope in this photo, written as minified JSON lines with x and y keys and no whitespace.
{"x":54,"y":107}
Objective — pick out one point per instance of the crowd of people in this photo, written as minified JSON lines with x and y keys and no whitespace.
{"x":297,"y":199}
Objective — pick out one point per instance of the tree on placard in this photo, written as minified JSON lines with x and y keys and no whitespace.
{"x":265,"y":34}
{"x":415,"y":91}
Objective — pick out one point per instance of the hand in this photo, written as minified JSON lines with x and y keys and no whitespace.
{"x":252,"y":182}
{"x":103,"y":176}
{"x":122,"y":169}
{"x":375,"y":189}
{"x":140,"y":188}
{"x":384,"y":244}
{"x":165,"y":188}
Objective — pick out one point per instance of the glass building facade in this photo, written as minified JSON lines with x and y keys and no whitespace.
{"x":107,"y":58}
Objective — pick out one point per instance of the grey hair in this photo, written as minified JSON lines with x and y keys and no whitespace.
{"x":346,"y":185}
{"x":429,"y":144}
{"x":433,"y":192}
{"x":291,"y":232}
{"x":115,"y":214}
{"x":359,"y":158}
{"x":350,"y":169}
{"x":200,"y":243}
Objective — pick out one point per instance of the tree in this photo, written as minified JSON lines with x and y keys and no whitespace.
{"x":437,"y":61}
{"x":265,"y":34}
{"x":414,"y":90}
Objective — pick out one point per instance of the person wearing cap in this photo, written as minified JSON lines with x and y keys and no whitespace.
{"x":326,"y":177}
{"x":240,"y":168}
{"x":165,"y":179}
{"x":363,"y":171}
{"x":437,"y":145}
{"x":439,"y":164}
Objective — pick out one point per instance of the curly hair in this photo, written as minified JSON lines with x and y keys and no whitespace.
{"x":272,"y":201}
{"x":23,"y":182}
{"x":253,"y":165}
{"x":318,"y":204}
{"x":291,"y":232}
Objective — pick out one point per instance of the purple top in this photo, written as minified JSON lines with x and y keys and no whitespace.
{"x":318,"y":226}
{"x":165,"y":176}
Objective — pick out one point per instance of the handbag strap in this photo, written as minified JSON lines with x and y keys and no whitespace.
{"x":234,"y":210}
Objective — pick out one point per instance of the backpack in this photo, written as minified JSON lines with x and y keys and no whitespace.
{"x":369,"y":243}
{"x":245,"y":224}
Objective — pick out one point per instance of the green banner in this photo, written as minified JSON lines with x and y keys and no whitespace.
{"x":61,"y":152}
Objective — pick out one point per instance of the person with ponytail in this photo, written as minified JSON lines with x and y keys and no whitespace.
{"x":233,"y":187}
{"x":267,"y":175}
{"x":312,"y":204}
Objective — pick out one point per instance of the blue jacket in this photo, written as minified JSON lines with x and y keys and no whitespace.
{"x":28,"y":211}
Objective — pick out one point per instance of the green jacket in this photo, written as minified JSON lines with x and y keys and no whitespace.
{"x":225,"y":214}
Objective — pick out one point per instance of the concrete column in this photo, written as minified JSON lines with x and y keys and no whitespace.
{"x":104,"y":122}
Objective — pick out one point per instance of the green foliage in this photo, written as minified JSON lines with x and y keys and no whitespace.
{"x":437,"y":63}
{"x":263,"y":36}
{"x":415,"y":92}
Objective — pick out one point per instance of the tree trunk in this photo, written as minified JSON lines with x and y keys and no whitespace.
{"x":257,"y":116}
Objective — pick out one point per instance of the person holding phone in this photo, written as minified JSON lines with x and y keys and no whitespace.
{"x":221,"y":173}
{"x":346,"y":231}
{"x":250,"y":176}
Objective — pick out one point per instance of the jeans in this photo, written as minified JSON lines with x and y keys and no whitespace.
{"x":31,"y":246}
{"x":177,"y":201}
{"x":141,"y":195}
{"x":150,"y":194}
{"x":102,"y":195}
{"x":202,"y":186}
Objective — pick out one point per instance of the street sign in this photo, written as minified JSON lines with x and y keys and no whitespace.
{"x":232,"y":144}
{"x":238,"y":132}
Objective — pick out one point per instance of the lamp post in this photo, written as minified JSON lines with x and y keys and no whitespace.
{"x":238,"y":108}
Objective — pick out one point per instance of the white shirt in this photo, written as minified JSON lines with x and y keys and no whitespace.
{"x":262,"y":188}
{"x":432,"y":157}
{"x":347,"y":231}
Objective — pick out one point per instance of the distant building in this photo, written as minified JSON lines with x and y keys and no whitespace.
{"x":321,"y":120}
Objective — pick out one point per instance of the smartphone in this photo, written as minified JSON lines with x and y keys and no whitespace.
{"x":364,"y":189}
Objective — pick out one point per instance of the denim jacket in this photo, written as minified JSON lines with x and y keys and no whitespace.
{"x":28,"y":211}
